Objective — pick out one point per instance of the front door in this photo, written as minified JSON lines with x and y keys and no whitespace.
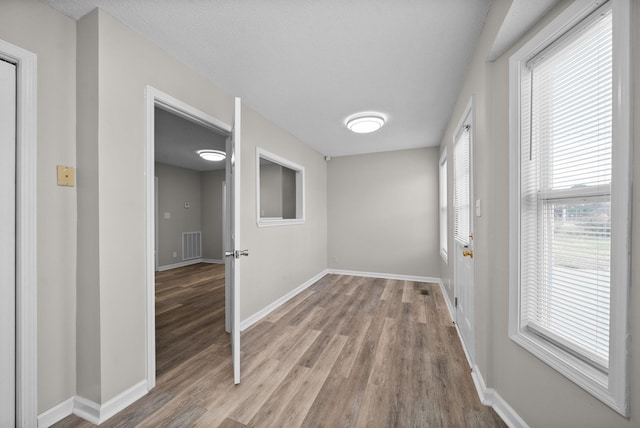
{"x":7,"y":244}
{"x":463,"y":235}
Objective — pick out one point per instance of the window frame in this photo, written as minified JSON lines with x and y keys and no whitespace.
{"x":611,"y":388}
{"x":443,"y":205}
{"x":300,"y":190}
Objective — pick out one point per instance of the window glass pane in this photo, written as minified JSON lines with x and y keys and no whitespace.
{"x":461,"y":184}
{"x":443,"y":207}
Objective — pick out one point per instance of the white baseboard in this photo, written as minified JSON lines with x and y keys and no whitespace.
{"x":213,"y":261}
{"x":248,"y":322}
{"x":87,"y":410}
{"x":56,"y":413}
{"x":385,"y":275}
{"x":91,"y":411}
{"x":179,"y":264}
{"x":490,"y":397}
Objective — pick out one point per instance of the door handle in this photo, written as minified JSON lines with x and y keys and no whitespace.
{"x":467,"y":253}
{"x":236,"y":253}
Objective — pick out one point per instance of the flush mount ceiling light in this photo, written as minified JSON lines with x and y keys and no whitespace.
{"x":363,"y":123}
{"x":212,"y":155}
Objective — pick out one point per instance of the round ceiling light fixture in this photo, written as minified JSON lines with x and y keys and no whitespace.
{"x":212,"y":155}
{"x":363,"y":123}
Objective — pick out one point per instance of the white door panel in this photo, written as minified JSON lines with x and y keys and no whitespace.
{"x":232,"y":254}
{"x":463,"y":234}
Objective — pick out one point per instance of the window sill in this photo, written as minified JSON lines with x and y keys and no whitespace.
{"x":268,"y":222}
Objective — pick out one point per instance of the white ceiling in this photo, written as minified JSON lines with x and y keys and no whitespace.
{"x":177,"y":140}
{"x":520,"y":18}
{"x":307,"y":64}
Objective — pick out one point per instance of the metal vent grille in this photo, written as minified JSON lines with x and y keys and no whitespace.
{"x":191,"y":245}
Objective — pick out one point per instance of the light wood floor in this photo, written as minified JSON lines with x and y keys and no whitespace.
{"x":347,"y":352}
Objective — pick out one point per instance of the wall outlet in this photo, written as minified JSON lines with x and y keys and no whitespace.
{"x":175,"y":254}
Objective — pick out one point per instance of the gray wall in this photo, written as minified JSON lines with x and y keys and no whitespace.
{"x":288,"y":193}
{"x":121,"y":212}
{"x":52,"y":37}
{"x":539,"y":394}
{"x":383,"y":212}
{"x":212,"y":216}
{"x":282,"y":257}
{"x":177,"y":186}
{"x":270,"y":189}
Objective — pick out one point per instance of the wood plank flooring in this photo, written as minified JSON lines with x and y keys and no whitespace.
{"x":347,"y":352}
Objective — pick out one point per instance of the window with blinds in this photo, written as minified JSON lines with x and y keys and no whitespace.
{"x":570,"y":196}
{"x":461,"y":183}
{"x":565,"y":190}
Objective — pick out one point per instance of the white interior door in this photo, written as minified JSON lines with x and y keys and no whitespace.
{"x":7,"y":244}
{"x":463,"y":236}
{"x":232,"y":254}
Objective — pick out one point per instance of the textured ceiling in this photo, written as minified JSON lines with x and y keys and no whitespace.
{"x":307,"y":64}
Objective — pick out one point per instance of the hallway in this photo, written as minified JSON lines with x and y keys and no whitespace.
{"x":348,"y":351}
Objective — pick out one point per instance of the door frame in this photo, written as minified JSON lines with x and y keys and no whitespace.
{"x":156,"y":98}
{"x":26,"y":238}
{"x":469,"y":347}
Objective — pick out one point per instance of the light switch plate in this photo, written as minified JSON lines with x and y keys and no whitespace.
{"x":66,"y":176}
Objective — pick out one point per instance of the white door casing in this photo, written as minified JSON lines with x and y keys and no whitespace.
{"x":7,"y":244}
{"x":25,"y":267}
{"x":156,"y":98}
{"x":464,"y":268}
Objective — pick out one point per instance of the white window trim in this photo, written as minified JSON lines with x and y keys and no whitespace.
{"x":444,"y":249}
{"x":612,"y":389}
{"x":300,"y":190}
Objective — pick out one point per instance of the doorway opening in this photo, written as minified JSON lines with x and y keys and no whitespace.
{"x":189,"y":224}
{"x":187,"y":295}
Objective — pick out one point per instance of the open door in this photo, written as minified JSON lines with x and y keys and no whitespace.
{"x":232,"y":255}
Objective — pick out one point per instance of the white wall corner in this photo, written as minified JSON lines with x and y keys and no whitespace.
{"x":56,"y":413}
{"x":86,"y":409}
{"x":248,"y":322}
{"x":445,"y":295}
{"x":490,"y":397}
{"x":97,"y":414}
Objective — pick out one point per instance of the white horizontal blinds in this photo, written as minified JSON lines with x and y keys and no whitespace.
{"x":566,"y":190}
{"x":461,"y":183}
{"x":443,"y":205}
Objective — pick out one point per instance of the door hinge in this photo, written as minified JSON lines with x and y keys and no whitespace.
{"x":455,"y":302}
